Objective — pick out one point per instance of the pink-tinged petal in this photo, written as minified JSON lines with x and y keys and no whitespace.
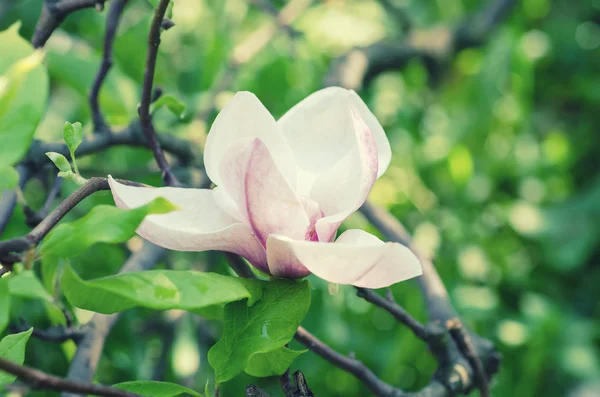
{"x":384,"y":151}
{"x":265,"y":198}
{"x":343,"y":188}
{"x":245,"y":118}
{"x":356,"y":258}
{"x":320,"y":132}
{"x":199,"y":225}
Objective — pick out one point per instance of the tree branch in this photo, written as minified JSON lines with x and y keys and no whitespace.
{"x":348,"y":364}
{"x":112,"y":22}
{"x":41,"y":380}
{"x":144,"y":109}
{"x":53,"y":14}
{"x":8,"y":247}
{"x":395,"y":310}
{"x":56,"y":334}
{"x":463,"y":341}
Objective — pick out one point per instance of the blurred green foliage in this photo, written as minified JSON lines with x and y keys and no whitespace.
{"x":495,"y":170}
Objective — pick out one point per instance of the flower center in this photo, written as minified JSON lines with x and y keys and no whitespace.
{"x":314,"y":213}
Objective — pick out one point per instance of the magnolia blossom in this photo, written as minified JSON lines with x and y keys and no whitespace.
{"x":282,"y":190}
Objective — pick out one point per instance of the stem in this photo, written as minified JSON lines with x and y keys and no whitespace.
{"x":42,"y":380}
{"x":144,"y":109}
{"x":395,"y":310}
{"x":112,"y":22}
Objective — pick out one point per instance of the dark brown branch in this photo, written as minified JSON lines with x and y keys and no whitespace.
{"x":53,"y":14}
{"x":144,"y":109}
{"x":348,"y":364}
{"x":395,"y":310}
{"x":55,"y":334}
{"x":440,"y":310}
{"x":112,"y":22}
{"x":255,"y":391}
{"x":8,"y":247}
{"x":436,"y":297}
{"x":130,"y":136}
{"x":41,"y":380}
{"x":463,"y":341}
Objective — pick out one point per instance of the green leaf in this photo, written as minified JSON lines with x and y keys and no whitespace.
{"x":104,"y":223}
{"x":50,"y":266}
{"x":27,"y":285}
{"x":73,"y":136}
{"x":273,"y":363}
{"x":59,"y":161}
{"x":23,"y":94}
{"x":4,"y":303}
{"x":156,"y":389}
{"x":12,"y":348}
{"x":264,"y":327}
{"x":156,"y":289}
{"x":174,"y":105}
{"x":9,"y":178}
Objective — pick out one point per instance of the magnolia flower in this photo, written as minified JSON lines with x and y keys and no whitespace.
{"x":282,"y":190}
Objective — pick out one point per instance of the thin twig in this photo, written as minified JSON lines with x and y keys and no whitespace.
{"x":41,"y":380}
{"x":144,"y":109}
{"x":54,"y":13}
{"x":348,"y":364}
{"x":31,"y":239}
{"x":55,"y":334}
{"x":255,"y":391}
{"x":112,"y":22}
{"x":395,"y":310}
{"x":463,"y":341}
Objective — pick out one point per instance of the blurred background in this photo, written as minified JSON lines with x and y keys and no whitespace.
{"x":494,"y":127}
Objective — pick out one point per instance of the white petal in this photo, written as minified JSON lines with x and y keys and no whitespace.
{"x":199,"y":225}
{"x":264,"y":197}
{"x":245,"y":117}
{"x":343,"y":188}
{"x":356,"y":258}
{"x":384,"y":151}
{"x":320,"y":132}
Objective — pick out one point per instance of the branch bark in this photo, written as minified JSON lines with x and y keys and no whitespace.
{"x":144,"y":109}
{"x":112,"y":23}
{"x":395,"y":310}
{"x":54,"y":13}
{"x":41,"y":380}
{"x":9,"y":247}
